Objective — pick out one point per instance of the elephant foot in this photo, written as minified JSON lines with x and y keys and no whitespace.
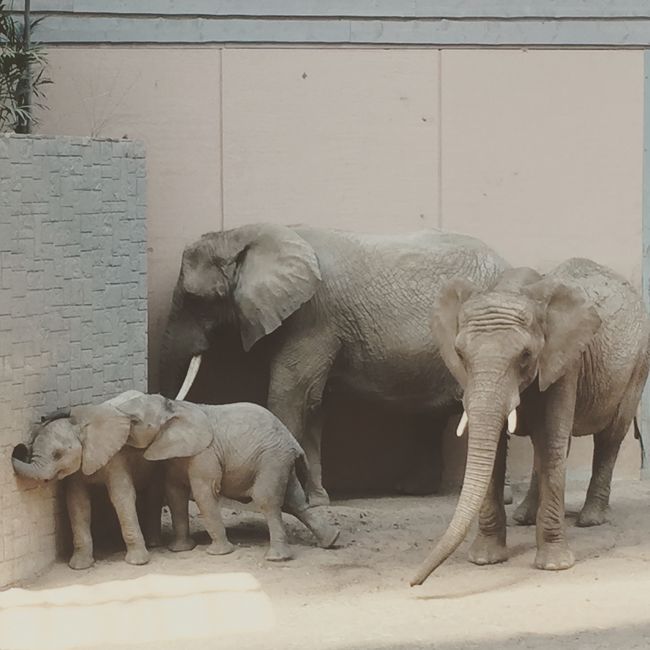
{"x":525,"y":514}
{"x":327,"y":537}
{"x":318,"y":497}
{"x":81,"y":560}
{"x":279,"y":553}
{"x":137,"y":556}
{"x":220,"y":548}
{"x":554,"y":557}
{"x":488,"y":549}
{"x":592,"y":514}
{"x":183,"y":544}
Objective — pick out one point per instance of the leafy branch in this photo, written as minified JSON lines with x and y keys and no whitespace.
{"x":22,"y":73}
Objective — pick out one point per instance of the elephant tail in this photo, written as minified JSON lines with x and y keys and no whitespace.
{"x":302,"y":469}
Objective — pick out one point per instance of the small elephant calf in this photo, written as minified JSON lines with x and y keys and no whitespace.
{"x":240,"y":451}
{"x":94,"y":445}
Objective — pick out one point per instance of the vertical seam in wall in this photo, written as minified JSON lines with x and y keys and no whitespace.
{"x":644,"y":425}
{"x":221,"y":157}
{"x":440,"y":220}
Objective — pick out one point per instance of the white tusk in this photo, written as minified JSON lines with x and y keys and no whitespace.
{"x":462,"y":425}
{"x":512,"y":421}
{"x":192,"y":371}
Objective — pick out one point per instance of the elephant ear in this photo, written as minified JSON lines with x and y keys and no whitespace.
{"x":186,"y":433}
{"x":278,"y":272}
{"x":103,"y":431}
{"x":569,"y":322}
{"x":444,"y":324}
{"x":145,"y":413}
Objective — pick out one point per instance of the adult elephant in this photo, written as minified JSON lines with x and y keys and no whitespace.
{"x":331,"y":305}
{"x":570,"y":353}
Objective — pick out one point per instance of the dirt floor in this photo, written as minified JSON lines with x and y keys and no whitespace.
{"x":357,"y":596}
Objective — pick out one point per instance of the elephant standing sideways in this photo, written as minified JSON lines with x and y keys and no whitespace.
{"x":240,"y":451}
{"x":338,"y":306}
{"x":570,"y":350}
{"x":93,"y":445}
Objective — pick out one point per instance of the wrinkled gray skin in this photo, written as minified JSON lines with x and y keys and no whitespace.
{"x":240,"y":451}
{"x":344,"y":307}
{"x":93,"y":447}
{"x":571,"y":351}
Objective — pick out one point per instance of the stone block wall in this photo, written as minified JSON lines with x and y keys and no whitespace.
{"x":73,"y":307}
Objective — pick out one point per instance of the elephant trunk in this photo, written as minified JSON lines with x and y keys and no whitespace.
{"x":184,"y":338}
{"x":486,"y":420}
{"x":32,"y":470}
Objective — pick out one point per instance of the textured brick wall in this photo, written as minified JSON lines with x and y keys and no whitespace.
{"x":73,"y":306}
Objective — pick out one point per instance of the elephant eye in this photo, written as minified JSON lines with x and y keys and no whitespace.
{"x":525,"y":356}
{"x":56,"y":455}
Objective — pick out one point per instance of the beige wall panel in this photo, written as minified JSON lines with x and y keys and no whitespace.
{"x":542,"y":153}
{"x":170,"y":99}
{"x":343,"y":138}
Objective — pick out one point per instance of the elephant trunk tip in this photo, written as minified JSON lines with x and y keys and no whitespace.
{"x":20,"y":452}
{"x":25,"y":468}
{"x":417,"y":580}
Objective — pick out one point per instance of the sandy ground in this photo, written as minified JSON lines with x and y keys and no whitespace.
{"x":357,"y":596}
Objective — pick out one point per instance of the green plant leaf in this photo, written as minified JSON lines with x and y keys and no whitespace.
{"x":17,"y":61}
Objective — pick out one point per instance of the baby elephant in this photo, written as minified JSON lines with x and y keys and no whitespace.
{"x":240,"y":451}
{"x":94,"y":445}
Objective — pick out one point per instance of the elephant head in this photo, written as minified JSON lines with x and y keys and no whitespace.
{"x":168,"y":429}
{"x":496,"y":343}
{"x":252,"y":278}
{"x":84,"y":437}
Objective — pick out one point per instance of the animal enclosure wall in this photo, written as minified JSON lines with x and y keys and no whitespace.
{"x":538,"y":152}
{"x":73,"y":307}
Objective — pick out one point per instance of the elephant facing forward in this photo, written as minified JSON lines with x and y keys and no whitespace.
{"x":332,"y":306}
{"x":570,"y":354}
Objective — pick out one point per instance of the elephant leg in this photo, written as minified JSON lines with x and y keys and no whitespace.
{"x":78,"y":503}
{"x":295,"y":503}
{"x":606,"y":446}
{"x":203,"y":487}
{"x":551,"y":439}
{"x":178,"y":498}
{"x":268,"y":493}
{"x":121,"y":492}
{"x":298,"y":379}
{"x":526,"y":512}
{"x":312,"y":445}
{"x":489,"y":547}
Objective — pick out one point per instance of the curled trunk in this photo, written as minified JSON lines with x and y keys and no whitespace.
{"x":32,"y":470}
{"x":485,"y":426}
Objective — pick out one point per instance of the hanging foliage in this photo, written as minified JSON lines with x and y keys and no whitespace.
{"x":22,"y":73}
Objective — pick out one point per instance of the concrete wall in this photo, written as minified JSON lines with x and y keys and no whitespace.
{"x":72,"y":307}
{"x":603,"y":23}
{"x":537,"y":152}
